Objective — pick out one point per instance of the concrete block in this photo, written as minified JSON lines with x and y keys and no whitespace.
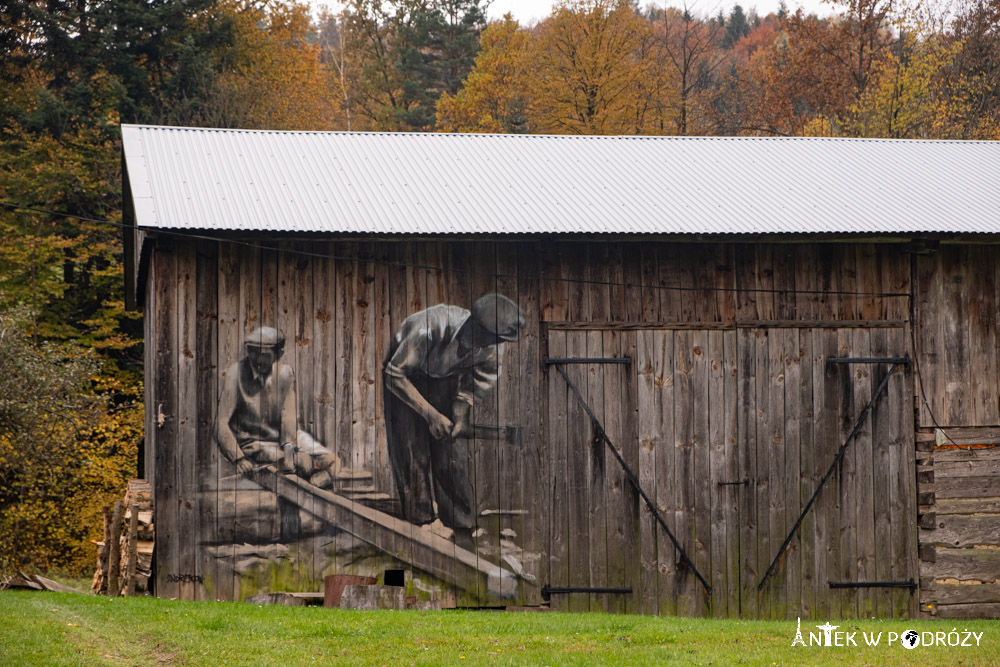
{"x":373,"y":597}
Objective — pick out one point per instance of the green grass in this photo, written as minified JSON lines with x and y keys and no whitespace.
{"x":69,"y":629}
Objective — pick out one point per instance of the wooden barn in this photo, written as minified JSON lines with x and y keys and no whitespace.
{"x":695,"y":376}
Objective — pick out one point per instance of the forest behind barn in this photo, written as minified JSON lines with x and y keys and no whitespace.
{"x":71,"y":356}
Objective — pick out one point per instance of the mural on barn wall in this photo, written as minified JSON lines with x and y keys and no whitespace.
{"x":442,"y":364}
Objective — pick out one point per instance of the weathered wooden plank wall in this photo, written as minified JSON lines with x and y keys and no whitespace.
{"x":728,"y":382}
{"x":956,"y":317}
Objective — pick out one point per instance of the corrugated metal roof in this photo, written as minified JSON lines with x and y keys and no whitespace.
{"x":396,"y":183}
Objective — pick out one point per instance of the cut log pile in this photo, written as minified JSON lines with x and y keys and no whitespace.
{"x":125,"y":556}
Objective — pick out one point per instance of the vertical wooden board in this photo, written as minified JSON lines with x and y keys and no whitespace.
{"x":682,"y":273}
{"x":575,"y":269}
{"x":745,"y":266}
{"x":806,"y":299}
{"x":166,"y":493}
{"x":306,"y":368}
{"x":285,"y":322}
{"x":807,"y":472}
{"x":485,"y":409}
{"x":705,"y":296}
{"x":734,"y":492}
{"x":323,"y":335}
{"x":827,"y":272}
{"x":207,"y":459}
{"x":764,"y":280}
{"x":553,"y":289}
{"x":268,"y":302}
{"x":863,"y":446}
{"x":616,"y":268}
{"x":725,"y":282}
{"x":871,"y":306}
{"x":402,"y":289}
{"x":149,"y":331}
{"x":902,"y":465}
{"x":792,"y":360}
{"x":534,"y":452}
{"x":701,"y":444}
{"x":618,"y":416}
{"x":598,"y":275}
{"x":719,"y":493}
{"x":850,"y":397}
{"x":579,"y":444}
{"x":881,"y":428}
{"x":785,"y":274}
{"x":762,"y":414}
{"x":953,"y":313}
{"x":626,"y":535}
{"x":684,"y":468}
{"x":558,"y":481}
{"x":510,"y":464}
{"x":632,"y":309}
{"x":670,"y":279}
{"x":344,"y":286}
{"x":665,"y":448}
{"x":187,"y":420}
{"x":650,"y":438}
{"x":383,"y":332}
{"x":847,"y":267}
{"x":828,"y":379}
{"x":896,"y":279}
{"x":982,"y":328}
{"x":364,"y":373}
{"x":650,"y":277}
{"x":598,"y":462}
{"x":746,"y":428}
{"x":229,"y":352}
{"x":777,"y":454}
{"x":926,"y":311}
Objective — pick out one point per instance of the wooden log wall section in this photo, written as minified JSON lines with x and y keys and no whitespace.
{"x":728,"y":413}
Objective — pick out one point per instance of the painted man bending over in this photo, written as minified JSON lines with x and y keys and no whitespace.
{"x":256,"y":421}
{"x":441,"y":361}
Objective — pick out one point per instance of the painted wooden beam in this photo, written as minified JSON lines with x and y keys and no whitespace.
{"x":396,"y":537}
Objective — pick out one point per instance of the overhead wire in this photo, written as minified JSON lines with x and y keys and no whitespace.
{"x":302,"y":253}
{"x":471,"y":272}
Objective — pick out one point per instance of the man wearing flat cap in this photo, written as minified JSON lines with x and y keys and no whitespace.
{"x":442,"y":360}
{"x":256,"y":421}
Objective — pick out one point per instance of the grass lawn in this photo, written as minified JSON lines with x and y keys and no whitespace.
{"x":70,"y":629}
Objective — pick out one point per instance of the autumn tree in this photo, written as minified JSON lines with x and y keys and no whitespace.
{"x":496,"y":93}
{"x":273,"y":74}
{"x":693,"y":53}
{"x":593,"y":73}
{"x":410,"y":53}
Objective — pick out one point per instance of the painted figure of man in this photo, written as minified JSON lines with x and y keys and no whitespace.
{"x":442,"y":360}
{"x":256,"y":421}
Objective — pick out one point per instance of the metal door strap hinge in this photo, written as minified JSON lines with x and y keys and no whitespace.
{"x":547,"y":590}
{"x":909,"y":583}
{"x":587,"y":360}
{"x":869,"y":360}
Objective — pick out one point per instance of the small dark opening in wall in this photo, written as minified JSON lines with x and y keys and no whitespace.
{"x":394,"y":578}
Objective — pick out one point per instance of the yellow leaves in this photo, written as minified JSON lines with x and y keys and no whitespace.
{"x":589,"y":69}
{"x":495,"y":95}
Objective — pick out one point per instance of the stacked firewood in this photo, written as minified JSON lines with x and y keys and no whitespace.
{"x":125,"y":556}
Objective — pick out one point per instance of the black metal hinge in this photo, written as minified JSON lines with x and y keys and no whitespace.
{"x":587,"y":360}
{"x":869,"y":360}
{"x":548,"y":591}
{"x":909,"y":583}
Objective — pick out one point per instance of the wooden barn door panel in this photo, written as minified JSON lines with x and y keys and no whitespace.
{"x":687,"y":434}
{"x":799,"y":410}
{"x":671,"y":414}
{"x":593,"y":529}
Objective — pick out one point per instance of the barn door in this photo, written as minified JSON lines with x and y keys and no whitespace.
{"x":670,"y":413}
{"x":593,"y":509}
{"x":796,"y":410}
